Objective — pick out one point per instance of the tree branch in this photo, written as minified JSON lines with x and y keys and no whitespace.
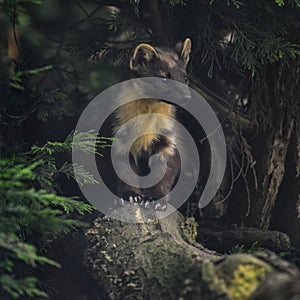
{"x":155,"y":260}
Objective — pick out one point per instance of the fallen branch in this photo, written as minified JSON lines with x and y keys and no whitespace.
{"x":161,"y":260}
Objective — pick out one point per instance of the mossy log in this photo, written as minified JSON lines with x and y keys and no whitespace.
{"x":220,"y":238}
{"x":161,"y":260}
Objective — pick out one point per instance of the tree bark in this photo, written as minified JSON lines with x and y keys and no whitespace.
{"x":271,"y":150}
{"x":5,"y":65}
{"x":220,"y":238}
{"x":271,"y":176}
{"x":161,"y":260}
{"x":286,"y":216}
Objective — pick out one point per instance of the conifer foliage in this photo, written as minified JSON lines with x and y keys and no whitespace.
{"x":56,"y":55}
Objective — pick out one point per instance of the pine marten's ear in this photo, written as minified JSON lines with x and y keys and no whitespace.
{"x":143,"y":54}
{"x":184,"y":50}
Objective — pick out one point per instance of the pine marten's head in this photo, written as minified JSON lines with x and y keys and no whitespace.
{"x":161,"y":62}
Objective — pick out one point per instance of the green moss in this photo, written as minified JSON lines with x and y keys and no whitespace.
{"x":210,"y":277}
{"x":236,"y":276}
{"x":246,"y":279}
{"x":190,"y":229}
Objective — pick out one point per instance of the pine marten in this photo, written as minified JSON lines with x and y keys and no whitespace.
{"x":149,"y":61}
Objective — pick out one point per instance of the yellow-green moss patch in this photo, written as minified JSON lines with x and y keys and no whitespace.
{"x":246,"y":279}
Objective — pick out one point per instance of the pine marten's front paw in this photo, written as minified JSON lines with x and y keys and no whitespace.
{"x":145,"y":201}
{"x":160,"y":205}
{"x":128,"y":197}
{"x":151,"y":203}
{"x":131,"y":197}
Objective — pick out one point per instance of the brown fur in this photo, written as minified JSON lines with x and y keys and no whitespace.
{"x":155,"y":62}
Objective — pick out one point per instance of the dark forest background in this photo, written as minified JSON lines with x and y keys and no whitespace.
{"x":56,"y":55}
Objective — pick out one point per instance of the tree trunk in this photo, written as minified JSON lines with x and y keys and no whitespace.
{"x":271,"y":175}
{"x":286,"y":217}
{"x":282,"y":93}
{"x":4,"y":73}
{"x":161,"y":260}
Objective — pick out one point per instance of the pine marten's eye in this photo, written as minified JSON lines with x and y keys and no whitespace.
{"x":186,"y":80}
{"x":164,"y":79}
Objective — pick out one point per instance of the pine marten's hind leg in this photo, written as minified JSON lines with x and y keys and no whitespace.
{"x":157,"y":196}
{"x":128,"y":193}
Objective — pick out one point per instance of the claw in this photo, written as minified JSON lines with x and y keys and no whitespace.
{"x":164,"y":207}
{"x":157,"y":206}
{"x":160,"y":206}
{"x":142,"y":200}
